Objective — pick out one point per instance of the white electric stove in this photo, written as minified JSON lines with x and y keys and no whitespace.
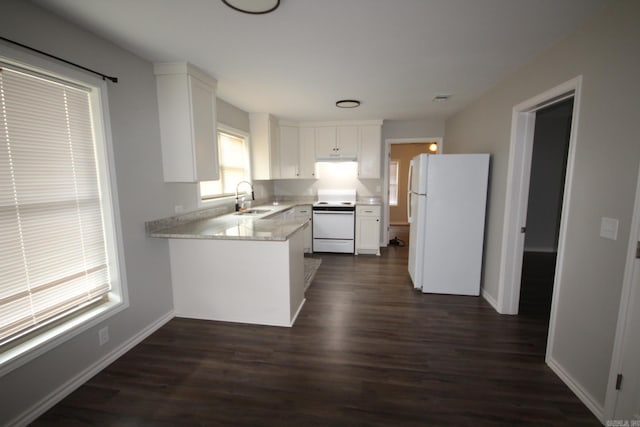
{"x":334,"y":221}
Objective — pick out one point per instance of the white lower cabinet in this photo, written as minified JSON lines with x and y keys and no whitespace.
{"x":304,"y":212}
{"x":368,"y":230}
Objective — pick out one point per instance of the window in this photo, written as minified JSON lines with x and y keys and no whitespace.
{"x":234,"y":167}
{"x":57,"y":246}
{"x":393,"y":182}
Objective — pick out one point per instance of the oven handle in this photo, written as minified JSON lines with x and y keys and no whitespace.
{"x":332,"y":213}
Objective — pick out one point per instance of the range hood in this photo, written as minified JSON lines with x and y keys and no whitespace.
{"x":336,"y":158}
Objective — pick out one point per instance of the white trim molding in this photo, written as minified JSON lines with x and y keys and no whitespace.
{"x":626,"y":296}
{"x":584,"y":396}
{"x":385,"y":176}
{"x":74,"y":383}
{"x":491,"y":300}
{"x":520,"y":153}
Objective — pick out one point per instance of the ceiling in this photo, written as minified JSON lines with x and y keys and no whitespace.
{"x":392,"y":55}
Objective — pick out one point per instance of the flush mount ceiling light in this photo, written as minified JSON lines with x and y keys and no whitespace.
{"x":433,"y":147}
{"x":441,"y":97}
{"x":253,"y":7}
{"x":348,"y":103}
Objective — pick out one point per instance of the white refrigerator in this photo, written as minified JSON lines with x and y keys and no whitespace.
{"x":446,"y":208}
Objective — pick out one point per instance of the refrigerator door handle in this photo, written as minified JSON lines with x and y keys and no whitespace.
{"x":409,"y":176}
{"x":409,"y":192}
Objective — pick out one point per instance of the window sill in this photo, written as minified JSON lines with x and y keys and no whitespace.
{"x":23,"y":353}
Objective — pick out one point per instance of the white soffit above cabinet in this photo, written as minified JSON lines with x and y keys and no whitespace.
{"x":394,"y":56}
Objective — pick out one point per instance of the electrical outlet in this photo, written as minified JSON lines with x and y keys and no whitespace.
{"x":103,"y":335}
{"x":178,"y":209}
{"x":609,"y":228}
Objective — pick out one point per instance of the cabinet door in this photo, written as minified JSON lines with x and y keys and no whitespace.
{"x":186,"y":107}
{"x":368,"y":229}
{"x":274,"y":142}
{"x":307,"y":150}
{"x":347,"y":142}
{"x":265,"y":156}
{"x":304,"y":212}
{"x":369,"y":148}
{"x":326,"y":142}
{"x":289,"y":152}
{"x":204,"y":130}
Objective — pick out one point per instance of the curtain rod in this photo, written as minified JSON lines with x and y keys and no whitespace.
{"x":104,"y":76}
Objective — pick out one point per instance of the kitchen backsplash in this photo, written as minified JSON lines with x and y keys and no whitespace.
{"x":331,"y":175}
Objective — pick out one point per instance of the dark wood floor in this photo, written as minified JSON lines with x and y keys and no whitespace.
{"x":366,"y":350}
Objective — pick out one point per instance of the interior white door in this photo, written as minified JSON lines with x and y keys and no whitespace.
{"x":628,"y":399}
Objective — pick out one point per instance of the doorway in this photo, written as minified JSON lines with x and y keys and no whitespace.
{"x":622,"y":401}
{"x":407,"y":149}
{"x":515,"y":215}
{"x":552,"y":131}
{"x":400,"y":157}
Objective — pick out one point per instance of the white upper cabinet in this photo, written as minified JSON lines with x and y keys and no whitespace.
{"x":265,"y":152}
{"x":336,"y":142}
{"x":289,"y":152}
{"x":347,"y":143}
{"x":369,"y":148}
{"x":307,"y":149}
{"x":326,"y":140}
{"x":294,"y":153}
{"x":187,"y":112}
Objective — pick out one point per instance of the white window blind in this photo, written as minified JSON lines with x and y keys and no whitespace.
{"x":234,"y":167}
{"x":53,"y":258}
{"x":393,"y":182}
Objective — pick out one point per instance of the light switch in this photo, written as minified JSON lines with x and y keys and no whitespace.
{"x":609,"y":228}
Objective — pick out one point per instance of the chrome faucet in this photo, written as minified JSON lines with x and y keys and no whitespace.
{"x":253,"y":197}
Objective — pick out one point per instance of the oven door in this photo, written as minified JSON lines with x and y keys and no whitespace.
{"x":333,"y":225}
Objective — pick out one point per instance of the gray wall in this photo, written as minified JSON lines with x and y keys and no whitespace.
{"x":550,"y":145}
{"x":424,"y":128}
{"x":605,"y":53}
{"x":232,"y":116}
{"x":142,"y":195}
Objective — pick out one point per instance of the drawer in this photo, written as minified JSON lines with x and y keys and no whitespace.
{"x":373,"y":211}
{"x":302,"y":211}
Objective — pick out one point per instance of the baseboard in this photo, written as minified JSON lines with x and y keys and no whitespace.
{"x":490,"y":300}
{"x":576,"y":388}
{"x":295,"y":316}
{"x":70,"y":386}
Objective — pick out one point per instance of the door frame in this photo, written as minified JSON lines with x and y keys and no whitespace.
{"x":518,"y":177}
{"x":385,"y":191}
{"x":611,"y":396}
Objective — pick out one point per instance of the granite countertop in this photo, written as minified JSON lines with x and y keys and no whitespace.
{"x":209,"y":224}
{"x":369,"y":201}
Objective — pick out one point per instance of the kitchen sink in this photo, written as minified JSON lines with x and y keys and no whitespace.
{"x":253,"y":212}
